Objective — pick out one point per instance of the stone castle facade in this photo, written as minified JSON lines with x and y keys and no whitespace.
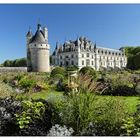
{"x":38,"y":50}
{"x":82,"y":52}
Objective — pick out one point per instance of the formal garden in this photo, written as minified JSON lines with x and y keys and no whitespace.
{"x":70,"y":102}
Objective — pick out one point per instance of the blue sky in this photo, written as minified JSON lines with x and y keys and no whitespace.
{"x":110,"y":26}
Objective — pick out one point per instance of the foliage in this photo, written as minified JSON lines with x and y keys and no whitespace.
{"x":131,"y":125}
{"x":58,"y":70}
{"x":15,"y":63}
{"x":56,"y":102}
{"x":27,"y":84}
{"x":88,"y":70}
{"x":108,"y":115}
{"x":5,"y":90}
{"x":8,"y":107}
{"x":72,"y":68}
{"x":87,"y":84}
{"x":24,"y":118}
{"x":128,"y":127}
{"x":81,"y":110}
{"x":77,"y":111}
{"x":30,"y":112}
{"x":60,"y":131}
{"x":137,"y":88}
{"x":133,"y":54}
{"x":120,"y":84}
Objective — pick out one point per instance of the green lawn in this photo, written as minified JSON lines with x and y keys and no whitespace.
{"x":45,"y":94}
{"x":129,"y":101}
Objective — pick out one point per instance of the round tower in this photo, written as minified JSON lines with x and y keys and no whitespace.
{"x":28,"y":39}
{"x":39,"y":52}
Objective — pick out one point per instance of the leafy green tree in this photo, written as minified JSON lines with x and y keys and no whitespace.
{"x":58,"y":70}
{"x":133,"y":55}
{"x":7,"y":63}
{"x":88,"y":70}
{"x":22,"y":62}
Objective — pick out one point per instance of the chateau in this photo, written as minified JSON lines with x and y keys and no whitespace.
{"x":38,"y":50}
{"x":82,"y":52}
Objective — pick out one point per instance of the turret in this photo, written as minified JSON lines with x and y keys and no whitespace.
{"x":38,"y":57}
{"x":29,"y":35}
{"x":45,"y":31}
{"x":39,"y":27}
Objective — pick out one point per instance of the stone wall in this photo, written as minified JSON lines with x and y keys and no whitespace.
{"x":13,"y":69}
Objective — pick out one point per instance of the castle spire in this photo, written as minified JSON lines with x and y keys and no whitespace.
{"x":38,"y":25}
{"x":29,"y":33}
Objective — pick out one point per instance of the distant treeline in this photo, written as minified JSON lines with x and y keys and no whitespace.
{"x":133,"y":56}
{"x":22,"y":62}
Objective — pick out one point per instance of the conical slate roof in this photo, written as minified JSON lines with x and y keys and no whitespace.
{"x":38,"y":37}
{"x":29,"y":34}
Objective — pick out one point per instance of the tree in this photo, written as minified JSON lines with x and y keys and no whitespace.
{"x":58,"y":71}
{"x":88,"y":70}
{"x":22,"y":62}
{"x":7,"y":63}
{"x":133,"y":57}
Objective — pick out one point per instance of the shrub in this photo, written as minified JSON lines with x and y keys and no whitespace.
{"x":31,"y":111}
{"x":8,"y":107}
{"x":27,"y":84}
{"x":60,"y":131}
{"x":5,"y":90}
{"x":88,"y":70}
{"x":56,"y":71}
{"x":72,"y":68}
{"x":34,"y":119}
{"x":131,"y":125}
{"x":30,"y":118}
{"x":120,"y":84}
{"x":81,"y":110}
{"x":56,"y":103}
{"x":108,"y":115}
{"x":86,"y":84}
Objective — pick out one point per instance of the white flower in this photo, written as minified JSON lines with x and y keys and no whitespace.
{"x":58,"y":130}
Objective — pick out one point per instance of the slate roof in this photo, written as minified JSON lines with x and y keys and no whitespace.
{"x":29,"y":33}
{"x":38,"y":37}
